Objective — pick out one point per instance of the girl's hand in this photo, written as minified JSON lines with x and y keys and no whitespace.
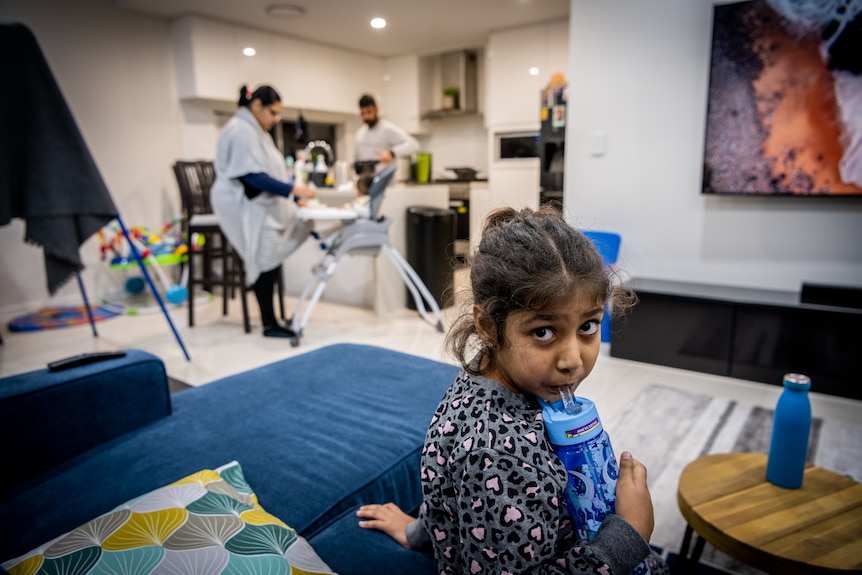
{"x":387,"y":518}
{"x":634,"y":503}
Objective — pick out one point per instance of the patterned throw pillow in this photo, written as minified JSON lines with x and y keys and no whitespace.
{"x":207,"y":523}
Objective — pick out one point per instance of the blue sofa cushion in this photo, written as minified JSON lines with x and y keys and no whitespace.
{"x":49,"y":417}
{"x":316,"y":434}
{"x":345,"y":546}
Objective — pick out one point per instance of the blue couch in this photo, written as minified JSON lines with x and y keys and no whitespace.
{"x":316,"y":435}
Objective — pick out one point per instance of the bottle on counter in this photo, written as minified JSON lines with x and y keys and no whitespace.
{"x":300,"y":171}
{"x":341,"y":175}
{"x":319,"y":171}
{"x":288,"y":164}
{"x":791,"y":429}
{"x":577,"y":436}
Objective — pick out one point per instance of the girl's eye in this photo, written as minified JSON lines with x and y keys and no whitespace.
{"x":590,"y":327}
{"x":543,"y":333}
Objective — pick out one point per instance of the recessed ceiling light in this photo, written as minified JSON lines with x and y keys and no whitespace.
{"x":534,"y":71}
{"x":378,"y":23}
{"x":285,"y":11}
{"x":249,"y":51}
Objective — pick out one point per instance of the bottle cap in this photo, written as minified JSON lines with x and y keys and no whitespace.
{"x":565,"y":428}
{"x":797,"y":381}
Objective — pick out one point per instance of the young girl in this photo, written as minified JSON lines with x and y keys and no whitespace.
{"x":493,"y":486}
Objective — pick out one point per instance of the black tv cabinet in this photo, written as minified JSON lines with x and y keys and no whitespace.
{"x":752,"y":334}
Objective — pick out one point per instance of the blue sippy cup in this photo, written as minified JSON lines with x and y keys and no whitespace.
{"x":576,"y":434}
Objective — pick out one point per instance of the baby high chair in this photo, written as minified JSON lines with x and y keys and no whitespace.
{"x":360,"y":236}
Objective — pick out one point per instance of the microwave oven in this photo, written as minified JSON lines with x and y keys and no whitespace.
{"x":516,"y":145}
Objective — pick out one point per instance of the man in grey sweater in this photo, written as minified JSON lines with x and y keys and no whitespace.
{"x":379,"y":140}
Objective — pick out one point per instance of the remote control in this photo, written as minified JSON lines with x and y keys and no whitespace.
{"x":84,"y":359}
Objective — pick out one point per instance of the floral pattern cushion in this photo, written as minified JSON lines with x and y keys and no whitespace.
{"x":207,"y":523}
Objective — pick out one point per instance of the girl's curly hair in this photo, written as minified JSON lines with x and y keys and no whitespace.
{"x":529,"y":260}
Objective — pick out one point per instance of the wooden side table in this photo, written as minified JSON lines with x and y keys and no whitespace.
{"x":727,"y":502}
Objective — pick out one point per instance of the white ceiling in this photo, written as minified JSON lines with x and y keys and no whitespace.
{"x":414,"y":26}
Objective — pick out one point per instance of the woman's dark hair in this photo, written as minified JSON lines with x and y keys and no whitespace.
{"x":266,"y":94}
{"x":529,"y":260}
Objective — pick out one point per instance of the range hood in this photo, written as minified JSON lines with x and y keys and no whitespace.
{"x":459,"y":70}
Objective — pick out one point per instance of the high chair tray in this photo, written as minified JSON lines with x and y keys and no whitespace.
{"x":324,"y":213}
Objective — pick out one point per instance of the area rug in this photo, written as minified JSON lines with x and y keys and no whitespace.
{"x":60,"y":316}
{"x":667,"y":428}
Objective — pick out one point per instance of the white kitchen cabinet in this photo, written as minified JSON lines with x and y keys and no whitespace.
{"x":514,"y":183}
{"x":211,"y":66}
{"x":513,"y":95}
{"x":325,"y":78}
{"x":402,"y":100}
{"x":207,"y":59}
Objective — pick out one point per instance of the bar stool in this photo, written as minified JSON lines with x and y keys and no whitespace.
{"x":195,"y":179}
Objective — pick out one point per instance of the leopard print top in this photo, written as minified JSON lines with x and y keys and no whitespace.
{"x":493,"y":492}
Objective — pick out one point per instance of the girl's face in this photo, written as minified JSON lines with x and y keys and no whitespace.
{"x":548,"y":350}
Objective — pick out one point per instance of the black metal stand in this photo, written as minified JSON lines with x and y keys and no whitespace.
{"x":685,"y":562}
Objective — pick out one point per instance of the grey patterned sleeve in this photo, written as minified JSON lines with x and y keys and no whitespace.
{"x":619,"y":545}
{"x":417,"y":536}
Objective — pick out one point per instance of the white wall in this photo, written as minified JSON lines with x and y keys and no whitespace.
{"x":116,"y":71}
{"x":455,"y":143}
{"x":514,"y":100}
{"x":639,"y":73}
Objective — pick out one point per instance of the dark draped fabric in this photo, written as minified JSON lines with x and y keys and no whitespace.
{"x":47,"y":176}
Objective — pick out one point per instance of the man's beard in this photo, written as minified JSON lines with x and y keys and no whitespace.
{"x":372,"y":122}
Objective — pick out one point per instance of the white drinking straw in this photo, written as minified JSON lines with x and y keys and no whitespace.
{"x":569,"y":404}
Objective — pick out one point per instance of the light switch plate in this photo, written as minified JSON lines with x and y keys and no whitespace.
{"x":599,"y":143}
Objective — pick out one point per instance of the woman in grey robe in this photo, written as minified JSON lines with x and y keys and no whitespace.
{"x":255,"y":204}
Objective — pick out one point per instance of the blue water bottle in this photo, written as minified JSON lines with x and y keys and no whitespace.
{"x":576,"y":433}
{"x":791,"y":428}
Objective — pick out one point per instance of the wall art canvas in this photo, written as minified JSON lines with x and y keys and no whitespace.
{"x":784,"y":114}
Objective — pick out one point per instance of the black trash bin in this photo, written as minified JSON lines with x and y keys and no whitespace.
{"x":430,"y":245}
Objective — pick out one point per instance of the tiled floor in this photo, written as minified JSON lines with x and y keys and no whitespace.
{"x":219,"y":347}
